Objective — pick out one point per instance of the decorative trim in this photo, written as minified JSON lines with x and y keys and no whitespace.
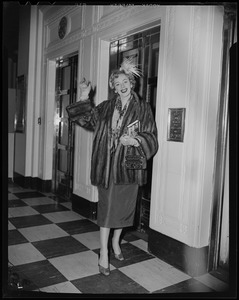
{"x":118,"y":16}
{"x":65,"y":42}
{"x":193,"y":261}
{"x":191,"y":85}
{"x":84,"y":207}
{"x":166,"y":60}
{"x":54,"y":22}
{"x":64,"y":27}
{"x":103,"y":24}
{"x":183,"y":190}
{"x":58,"y":15}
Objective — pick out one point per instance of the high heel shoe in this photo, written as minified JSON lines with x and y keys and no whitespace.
{"x":103,"y":270}
{"x":119,"y":256}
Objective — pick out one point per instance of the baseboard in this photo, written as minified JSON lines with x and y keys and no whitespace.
{"x":84,"y":207}
{"x":41,"y":185}
{"x":32,"y":183}
{"x":193,"y":261}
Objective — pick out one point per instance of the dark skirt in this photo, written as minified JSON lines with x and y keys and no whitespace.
{"x":116,"y":205}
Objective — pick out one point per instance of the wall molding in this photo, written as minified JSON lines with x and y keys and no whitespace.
{"x":32,"y":183}
{"x":104,"y":23}
{"x":166,"y":46}
{"x":70,"y":39}
{"x":118,"y":16}
{"x":56,"y":16}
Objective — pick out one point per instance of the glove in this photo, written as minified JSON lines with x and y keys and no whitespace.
{"x":85,"y":88}
{"x":127,"y":140}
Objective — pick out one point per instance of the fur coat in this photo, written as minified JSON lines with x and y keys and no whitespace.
{"x":98,"y":119}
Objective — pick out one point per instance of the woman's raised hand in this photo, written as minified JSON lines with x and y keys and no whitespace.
{"x":85,"y":87}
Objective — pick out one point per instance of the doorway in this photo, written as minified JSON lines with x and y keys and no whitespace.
{"x":65,"y":94}
{"x":143,"y":48}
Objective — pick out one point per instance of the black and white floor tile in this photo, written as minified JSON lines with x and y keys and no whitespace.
{"x":55,"y":250}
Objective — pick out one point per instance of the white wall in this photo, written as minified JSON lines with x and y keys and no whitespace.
{"x":189,"y":76}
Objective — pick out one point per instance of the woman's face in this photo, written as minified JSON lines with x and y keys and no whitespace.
{"x":122,"y":85}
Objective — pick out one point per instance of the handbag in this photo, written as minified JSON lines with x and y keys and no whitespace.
{"x":135,"y":158}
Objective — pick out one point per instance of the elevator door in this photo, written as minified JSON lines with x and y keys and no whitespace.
{"x":66,"y":89}
{"x":143,"y":47}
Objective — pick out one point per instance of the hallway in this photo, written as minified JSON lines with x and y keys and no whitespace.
{"x":55,"y":250}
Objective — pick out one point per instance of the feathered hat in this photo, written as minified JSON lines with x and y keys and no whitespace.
{"x":129,"y":67}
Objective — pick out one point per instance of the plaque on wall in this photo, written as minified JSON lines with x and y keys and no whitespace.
{"x":176,"y":120}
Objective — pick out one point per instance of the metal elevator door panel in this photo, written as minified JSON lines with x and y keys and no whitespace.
{"x":66,"y":89}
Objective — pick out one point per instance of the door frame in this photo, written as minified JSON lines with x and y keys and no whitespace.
{"x":221,"y":147}
{"x":70,"y":137}
{"x":50,"y":83}
{"x":104,"y":59}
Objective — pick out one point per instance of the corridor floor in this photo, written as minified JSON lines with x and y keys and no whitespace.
{"x":55,"y":250}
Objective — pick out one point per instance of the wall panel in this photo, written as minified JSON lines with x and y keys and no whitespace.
{"x":193,"y":45}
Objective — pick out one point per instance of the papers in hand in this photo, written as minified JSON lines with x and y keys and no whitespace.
{"x":133,"y":128}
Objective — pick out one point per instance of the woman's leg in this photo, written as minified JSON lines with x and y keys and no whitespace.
{"x":115,"y":241}
{"x":104,"y":237}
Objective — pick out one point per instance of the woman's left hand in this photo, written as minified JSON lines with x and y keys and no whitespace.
{"x":127,"y":140}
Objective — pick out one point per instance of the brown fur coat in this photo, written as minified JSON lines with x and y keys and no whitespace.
{"x":98,"y":119}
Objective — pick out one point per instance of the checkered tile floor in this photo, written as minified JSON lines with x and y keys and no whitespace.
{"x":55,"y":250}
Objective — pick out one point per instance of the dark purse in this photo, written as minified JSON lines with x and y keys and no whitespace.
{"x":135,"y":158}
